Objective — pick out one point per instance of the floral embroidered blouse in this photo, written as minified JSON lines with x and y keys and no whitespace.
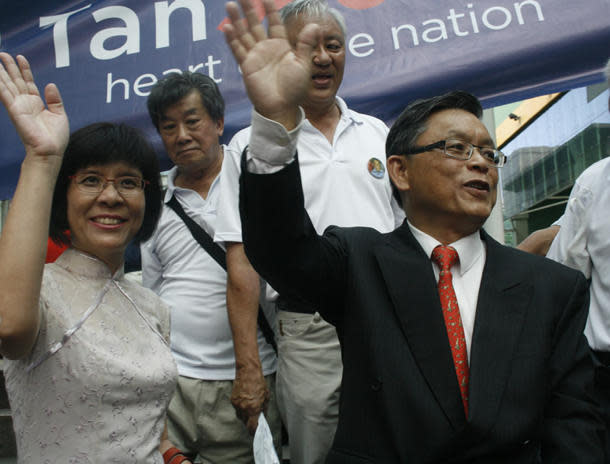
{"x":98,"y":381}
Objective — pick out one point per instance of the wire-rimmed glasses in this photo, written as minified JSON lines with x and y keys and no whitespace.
{"x":458,"y":149}
{"x":94,"y":184}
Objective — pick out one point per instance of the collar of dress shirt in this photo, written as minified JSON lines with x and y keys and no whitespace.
{"x":171,"y":186}
{"x":171,"y":175}
{"x":469,"y":248}
{"x":347,"y":113}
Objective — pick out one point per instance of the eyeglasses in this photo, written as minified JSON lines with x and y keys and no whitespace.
{"x":458,"y":149}
{"x":94,"y":184}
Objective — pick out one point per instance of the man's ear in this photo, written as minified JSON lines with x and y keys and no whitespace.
{"x":397,"y":170}
{"x":220,"y":126}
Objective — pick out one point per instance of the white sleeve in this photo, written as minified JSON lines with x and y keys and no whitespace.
{"x":152,"y":270}
{"x":228,"y":222}
{"x":271,"y":146}
{"x":570,"y":245}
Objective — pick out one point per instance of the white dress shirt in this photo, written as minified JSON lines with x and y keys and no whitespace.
{"x":466,"y":273}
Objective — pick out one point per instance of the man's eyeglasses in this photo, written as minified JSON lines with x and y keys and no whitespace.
{"x":459,"y":149}
{"x":94,"y":184}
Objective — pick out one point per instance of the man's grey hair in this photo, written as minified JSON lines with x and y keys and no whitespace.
{"x":312,"y":9}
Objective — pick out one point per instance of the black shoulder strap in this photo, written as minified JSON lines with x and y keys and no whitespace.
{"x":199,"y":234}
{"x":220,"y":256}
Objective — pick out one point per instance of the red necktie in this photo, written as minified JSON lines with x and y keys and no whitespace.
{"x":445,"y":257}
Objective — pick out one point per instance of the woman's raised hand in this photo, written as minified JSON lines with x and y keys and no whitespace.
{"x":44,"y":131}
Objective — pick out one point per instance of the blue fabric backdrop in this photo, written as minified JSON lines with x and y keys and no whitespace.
{"x":104,"y":55}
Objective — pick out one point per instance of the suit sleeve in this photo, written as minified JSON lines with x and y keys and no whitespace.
{"x":282,"y":244}
{"x":573,"y":431}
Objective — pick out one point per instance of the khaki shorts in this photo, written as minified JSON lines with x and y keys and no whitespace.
{"x":201,"y":420}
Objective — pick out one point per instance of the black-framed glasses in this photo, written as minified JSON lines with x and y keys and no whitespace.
{"x":458,"y":149}
{"x":94,"y":184}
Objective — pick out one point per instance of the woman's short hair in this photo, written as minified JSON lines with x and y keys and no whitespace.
{"x":101,"y":144}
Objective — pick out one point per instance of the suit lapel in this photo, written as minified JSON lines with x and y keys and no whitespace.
{"x":501,"y":308}
{"x":412,"y":287}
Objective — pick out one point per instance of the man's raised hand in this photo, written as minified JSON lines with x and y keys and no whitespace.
{"x":276,"y":76}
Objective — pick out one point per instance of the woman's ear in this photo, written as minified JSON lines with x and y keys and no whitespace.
{"x":397,"y":170}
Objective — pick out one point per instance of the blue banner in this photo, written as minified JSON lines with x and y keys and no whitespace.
{"x":105,"y":55}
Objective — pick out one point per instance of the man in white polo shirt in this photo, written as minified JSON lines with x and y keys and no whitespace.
{"x":188,"y":111}
{"x":342,"y":161}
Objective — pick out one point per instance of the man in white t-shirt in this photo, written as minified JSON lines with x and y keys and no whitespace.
{"x":583,"y":243}
{"x":342,"y":161}
{"x":188,"y":111}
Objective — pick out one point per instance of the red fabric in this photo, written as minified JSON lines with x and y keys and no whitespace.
{"x":445,"y":257}
{"x":54,"y":251}
{"x":178,"y":459}
{"x":170,"y":454}
{"x":174,"y":456}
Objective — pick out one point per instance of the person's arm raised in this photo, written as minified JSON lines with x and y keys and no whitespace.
{"x":276,"y":76}
{"x":44,"y":132}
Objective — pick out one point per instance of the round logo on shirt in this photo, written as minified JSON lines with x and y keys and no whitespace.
{"x":376,"y":168}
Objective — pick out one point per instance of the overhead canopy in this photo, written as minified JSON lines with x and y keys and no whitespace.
{"x":105,"y":55}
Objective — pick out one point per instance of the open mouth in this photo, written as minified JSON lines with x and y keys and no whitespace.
{"x":478,"y":185}
{"x":321,"y":78}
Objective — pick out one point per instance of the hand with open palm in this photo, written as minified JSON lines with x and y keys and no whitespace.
{"x":276,"y":76}
{"x":23,"y":243}
{"x":44,"y":131}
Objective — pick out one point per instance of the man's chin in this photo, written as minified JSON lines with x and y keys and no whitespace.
{"x":320,"y":97}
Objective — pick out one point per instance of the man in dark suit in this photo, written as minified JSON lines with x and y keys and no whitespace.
{"x":456,"y":349}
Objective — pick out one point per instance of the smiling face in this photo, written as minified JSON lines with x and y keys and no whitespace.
{"x":190,"y":136}
{"x":103,"y":224}
{"x":445,"y":197}
{"x":328,"y":59}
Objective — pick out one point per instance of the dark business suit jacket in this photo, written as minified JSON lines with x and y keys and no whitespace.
{"x":530,"y":369}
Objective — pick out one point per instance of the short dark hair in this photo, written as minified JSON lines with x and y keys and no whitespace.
{"x":101,"y":144}
{"x":412,"y":122}
{"x":175,"y":86}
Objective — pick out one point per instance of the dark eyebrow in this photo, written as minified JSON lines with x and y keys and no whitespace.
{"x":190,"y":111}
{"x":130,"y":172}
